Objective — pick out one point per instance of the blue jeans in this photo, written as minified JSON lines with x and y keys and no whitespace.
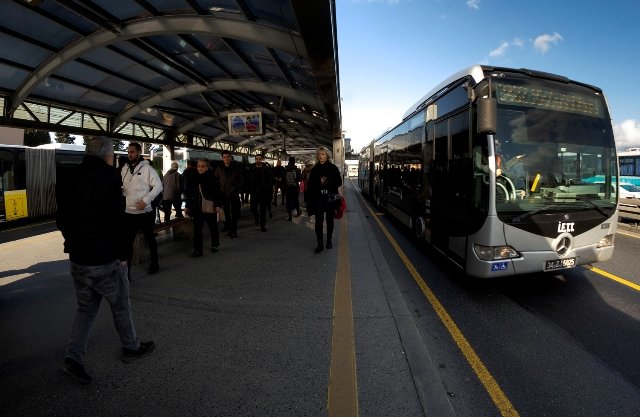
{"x":92,"y":284}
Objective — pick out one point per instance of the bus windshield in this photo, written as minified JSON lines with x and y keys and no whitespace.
{"x":555,"y":148}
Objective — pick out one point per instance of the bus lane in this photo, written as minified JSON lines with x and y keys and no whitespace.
{"x":556,"y":345}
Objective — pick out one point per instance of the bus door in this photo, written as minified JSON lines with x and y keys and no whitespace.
{"x":439,"y":183}
{"x":382,"y":162}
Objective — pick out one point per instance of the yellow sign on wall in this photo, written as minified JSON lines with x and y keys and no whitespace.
{"x":15,"y":204}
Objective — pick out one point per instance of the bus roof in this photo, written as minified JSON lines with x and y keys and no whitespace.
{"x":479,"y":72}
{"x":476,"y":71}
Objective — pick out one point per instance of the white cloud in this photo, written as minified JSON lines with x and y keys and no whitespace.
{"x":473,"y":4}
{"x":543,"y":42}
{"x":502,"y":49}
{"x":627,"y":134}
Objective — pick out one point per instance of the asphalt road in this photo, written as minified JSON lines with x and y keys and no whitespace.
{"x":553,"y":344}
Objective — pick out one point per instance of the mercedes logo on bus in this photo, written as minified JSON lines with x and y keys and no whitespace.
{"x":563,"y":246}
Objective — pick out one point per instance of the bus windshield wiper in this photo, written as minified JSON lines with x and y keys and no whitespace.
{"x":533,"y":213}
{"x":593,"y":205}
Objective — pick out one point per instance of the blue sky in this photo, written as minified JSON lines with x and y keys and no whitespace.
{"x":392,"y":52}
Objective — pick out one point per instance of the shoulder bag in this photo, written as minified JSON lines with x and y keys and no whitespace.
{"x":206,"y":206}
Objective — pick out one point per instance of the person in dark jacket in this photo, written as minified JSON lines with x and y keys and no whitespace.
{"x":189,"y":174}
{"x":261,"y":186}
{"x":229,"y":177}
{"x":90,"y":217}
{"x":292,"y":179}
{"x":204,"y":185}
{"x":324,"y":182}
{"x":172,"y":192}
{"x":278,"y":182}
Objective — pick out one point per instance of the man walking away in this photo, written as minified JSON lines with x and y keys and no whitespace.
{"x":172,"y":191}
{"x":90,"y":213}
{"x":278,"y":175}
{"x":261,"y":185}
{"x":292,"y":183}
{"x":229,"y":178}
{"x":140,"y":186}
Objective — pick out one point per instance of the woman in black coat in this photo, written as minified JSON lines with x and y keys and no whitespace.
{"x":323,"y":184}
{"x":205,"y":184}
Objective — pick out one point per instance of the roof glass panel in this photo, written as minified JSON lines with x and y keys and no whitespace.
{"x":162,"y":68}
{"x":219,"y":5}
{"x":35,"y":26}
{"x":279,"y":13}
{"x":81,"y":73}
{"x":117,"y":62}
{"x":299,"y":69}
{"x":123,"y":9}
{"x":123,"y":88}
{"x":182,"y":50}
{"x":74,"y":22}
{"x":11,"y":77}
{"x":19,"y":51}
{"x":234,"y":64}
{"x":171,"y":7}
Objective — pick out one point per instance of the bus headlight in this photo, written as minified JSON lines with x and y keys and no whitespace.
{"x":492,"y":253}
{"x":606,"y":241}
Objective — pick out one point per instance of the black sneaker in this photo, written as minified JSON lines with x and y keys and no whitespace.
{"x":130,"y":355}
{"x":196,"y":254}
{"x":264,"y":229}
{"x":214,"y":249}
{"x":329,"y":245}
{"x":153,"y":269}
{"x":76,"y":371}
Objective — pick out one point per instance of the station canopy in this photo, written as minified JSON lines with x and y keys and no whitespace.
{"x":245,"y":75}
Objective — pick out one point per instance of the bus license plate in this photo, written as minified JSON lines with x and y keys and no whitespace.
{"x":560,"y":264}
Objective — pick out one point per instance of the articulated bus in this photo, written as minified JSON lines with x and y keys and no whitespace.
{"x":505,"y":171}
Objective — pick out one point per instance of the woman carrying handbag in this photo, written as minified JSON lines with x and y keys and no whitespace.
{"x":323,"y":196}
{"x":203,"y":205}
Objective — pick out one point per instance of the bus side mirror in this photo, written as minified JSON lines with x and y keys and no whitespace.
{"x":487,"y":115}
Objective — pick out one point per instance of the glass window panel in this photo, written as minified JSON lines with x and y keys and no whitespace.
{"x":40,"y":112}
{"x":58,"y":114}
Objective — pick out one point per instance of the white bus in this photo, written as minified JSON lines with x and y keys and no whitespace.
{"x":469,"y":170}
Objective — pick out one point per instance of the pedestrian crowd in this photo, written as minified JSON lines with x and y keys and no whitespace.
{"x":101,"y":209}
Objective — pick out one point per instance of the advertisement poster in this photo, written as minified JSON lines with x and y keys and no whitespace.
{"x":245,"y":123}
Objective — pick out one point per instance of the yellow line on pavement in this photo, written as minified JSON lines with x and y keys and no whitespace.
{"x":343,"y":389}
{"x":491,"y":386}
{"x":613,"y":277}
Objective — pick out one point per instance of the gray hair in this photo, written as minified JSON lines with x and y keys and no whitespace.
{"x":100,"y":146}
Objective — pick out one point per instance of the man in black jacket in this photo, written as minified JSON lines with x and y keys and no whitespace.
{"x":261,"y":184}
{"x":230,"y":180}
{"x":90,"y":212}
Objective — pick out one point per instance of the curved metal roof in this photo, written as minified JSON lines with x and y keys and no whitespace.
{"x":170,"y":71}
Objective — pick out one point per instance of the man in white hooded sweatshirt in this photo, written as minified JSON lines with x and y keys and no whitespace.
{"x":140,"y":186}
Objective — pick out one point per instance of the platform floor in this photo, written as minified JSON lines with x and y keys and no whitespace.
{"x":264,"y":327}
